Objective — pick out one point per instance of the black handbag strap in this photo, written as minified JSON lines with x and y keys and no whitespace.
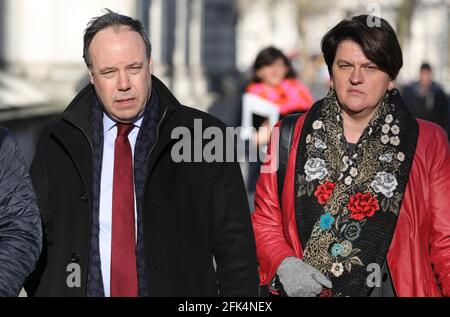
{"x":284,"y":147}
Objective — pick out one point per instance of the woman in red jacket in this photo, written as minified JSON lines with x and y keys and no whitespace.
{"x":365,"y":204}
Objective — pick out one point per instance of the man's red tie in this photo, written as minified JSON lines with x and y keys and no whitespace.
{"x":123,"y":255}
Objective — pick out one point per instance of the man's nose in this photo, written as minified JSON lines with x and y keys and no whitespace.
{"x":123,"y":82}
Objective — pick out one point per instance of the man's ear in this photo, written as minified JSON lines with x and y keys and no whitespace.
{"x":91,"y":77}
{"x":150,"y":65}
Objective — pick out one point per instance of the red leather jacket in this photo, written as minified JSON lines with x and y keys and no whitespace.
{"x":419,"y":255}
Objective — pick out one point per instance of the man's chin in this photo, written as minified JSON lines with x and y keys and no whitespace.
{"x":124,"y":118}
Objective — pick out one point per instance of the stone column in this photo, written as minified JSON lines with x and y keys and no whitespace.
{"x":156,"y":37}
{"x":181,"y":81}
{"x":198,"y":81}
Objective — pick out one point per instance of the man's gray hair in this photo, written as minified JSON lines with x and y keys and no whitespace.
{"x":115,"y":20}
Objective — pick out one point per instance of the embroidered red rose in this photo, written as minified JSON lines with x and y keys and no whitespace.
{"x":326,"y":292}
{"x":324,"y":191}
{"x":362,"y":206}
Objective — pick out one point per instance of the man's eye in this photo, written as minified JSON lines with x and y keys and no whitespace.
{"x":135,"y":70}
{"x":345,"y":66}
{"x":108,"y":73}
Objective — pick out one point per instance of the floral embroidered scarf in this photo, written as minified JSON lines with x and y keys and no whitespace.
{"x":348,"y":199}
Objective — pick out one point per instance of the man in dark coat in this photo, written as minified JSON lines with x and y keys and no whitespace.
{"x":190,"y":226}
{"x":20,"y":226}
{"x":426,"y":98}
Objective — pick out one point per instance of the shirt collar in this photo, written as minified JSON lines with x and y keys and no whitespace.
{"x":109,"y":123}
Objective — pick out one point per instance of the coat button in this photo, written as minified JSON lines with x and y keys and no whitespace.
{"x":385,"y":277}
{"x":75,"y":258}
{"x":83,"y":197}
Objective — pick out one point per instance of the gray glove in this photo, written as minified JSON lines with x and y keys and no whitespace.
{"x":300,"y":279}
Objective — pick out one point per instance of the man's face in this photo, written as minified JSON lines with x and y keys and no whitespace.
{"x":425,"y":78}
{"x":120,"y":72}
{"x":360,"y":85}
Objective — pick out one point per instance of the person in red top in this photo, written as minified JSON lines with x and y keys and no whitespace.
{"x":364,"y":207}
{"x":275,"y":79}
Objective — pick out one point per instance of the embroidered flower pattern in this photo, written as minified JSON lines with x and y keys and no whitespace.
{"x":326,"y":292}
{"x":362,"y":205}
{"x":354,"y":185}
{"x":326,"y":221}
{"x":389,"y":119}
{"x":308,"y":139}
{"x":385,"y":183}
{"x":395,"y":129}
{"x":385,"y":158}
{"x":395,"y":140}
{"x":337,"y":269}
{"x":315,"y":169}
{"x":348,"y":180}
{"x":320,"y":145}
{"x":346,"y":248}
{"x":351,"y":230}
{"x":336,"y":249}
{"x":346,"y":161}
{"x":317,"y":125}
{"x":324,"y":191}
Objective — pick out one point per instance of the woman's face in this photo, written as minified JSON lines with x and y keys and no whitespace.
{"x":360,"y":85}
{"x":274,"y":73}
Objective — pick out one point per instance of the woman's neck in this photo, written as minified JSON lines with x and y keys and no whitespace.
{"x":354,"y":124}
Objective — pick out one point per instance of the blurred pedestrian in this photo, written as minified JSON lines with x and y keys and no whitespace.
{"x":426,"y":98}
{"x":275,"y":80}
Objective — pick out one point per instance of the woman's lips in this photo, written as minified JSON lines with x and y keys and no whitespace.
{"x":355,"y":92}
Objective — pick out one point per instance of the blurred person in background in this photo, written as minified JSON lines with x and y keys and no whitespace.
{"x":426,"y":98}
{"x":315,"y":76}
{"x":121,"y":217}
{"x":20,"y":224}
{"x":274,"y":78}
{"x":364,"y":207}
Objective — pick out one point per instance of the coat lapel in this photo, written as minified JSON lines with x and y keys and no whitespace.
{"x":81,"y":154}
{"x":75,"y":134}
